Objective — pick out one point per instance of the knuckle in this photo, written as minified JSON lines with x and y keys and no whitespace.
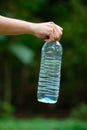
{"x":51,"y":30}
{"x":51,"y":22}
{"x":61,"y":33}
{"x":57,"y":37}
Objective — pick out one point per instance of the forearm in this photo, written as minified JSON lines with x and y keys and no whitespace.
{"x":49,"y":30}
{"x":9,"y":26}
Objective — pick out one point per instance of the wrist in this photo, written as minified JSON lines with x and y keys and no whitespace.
{"x":31,"y":28}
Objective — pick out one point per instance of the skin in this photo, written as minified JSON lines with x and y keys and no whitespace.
{"x":49,"y":31}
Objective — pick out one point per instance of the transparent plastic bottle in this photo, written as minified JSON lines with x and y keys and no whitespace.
{"x":50,"y":71}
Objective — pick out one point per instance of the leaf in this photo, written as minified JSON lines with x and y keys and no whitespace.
{"x":23,"y":53}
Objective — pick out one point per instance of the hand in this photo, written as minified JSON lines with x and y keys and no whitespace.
{"x":49,"y":31}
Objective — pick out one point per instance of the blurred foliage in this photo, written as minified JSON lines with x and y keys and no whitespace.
{"x":80,"y":112}
{"x":20,"y":55}
{"x":37,"y":124}
{"x":6,"y":110}
{"x":21,"y":52}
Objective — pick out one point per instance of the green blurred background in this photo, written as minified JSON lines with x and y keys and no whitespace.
{"x":20,"y":62}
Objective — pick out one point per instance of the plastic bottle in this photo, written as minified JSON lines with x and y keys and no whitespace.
{"x":50,"y":71}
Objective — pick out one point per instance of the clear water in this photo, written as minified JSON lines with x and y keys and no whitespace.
{"x":49,"y":76}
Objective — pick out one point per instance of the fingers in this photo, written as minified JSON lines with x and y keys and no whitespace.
{"x":55,"y":32}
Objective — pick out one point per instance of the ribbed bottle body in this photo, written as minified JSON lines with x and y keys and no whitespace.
{"x":50,"y":73}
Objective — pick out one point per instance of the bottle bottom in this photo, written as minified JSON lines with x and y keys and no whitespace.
{"x":48,"y":99}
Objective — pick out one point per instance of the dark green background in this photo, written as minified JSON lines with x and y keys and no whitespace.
{"x":20,"y":58}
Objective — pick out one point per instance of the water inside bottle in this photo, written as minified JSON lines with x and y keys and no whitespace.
{"x":49,"y":77}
